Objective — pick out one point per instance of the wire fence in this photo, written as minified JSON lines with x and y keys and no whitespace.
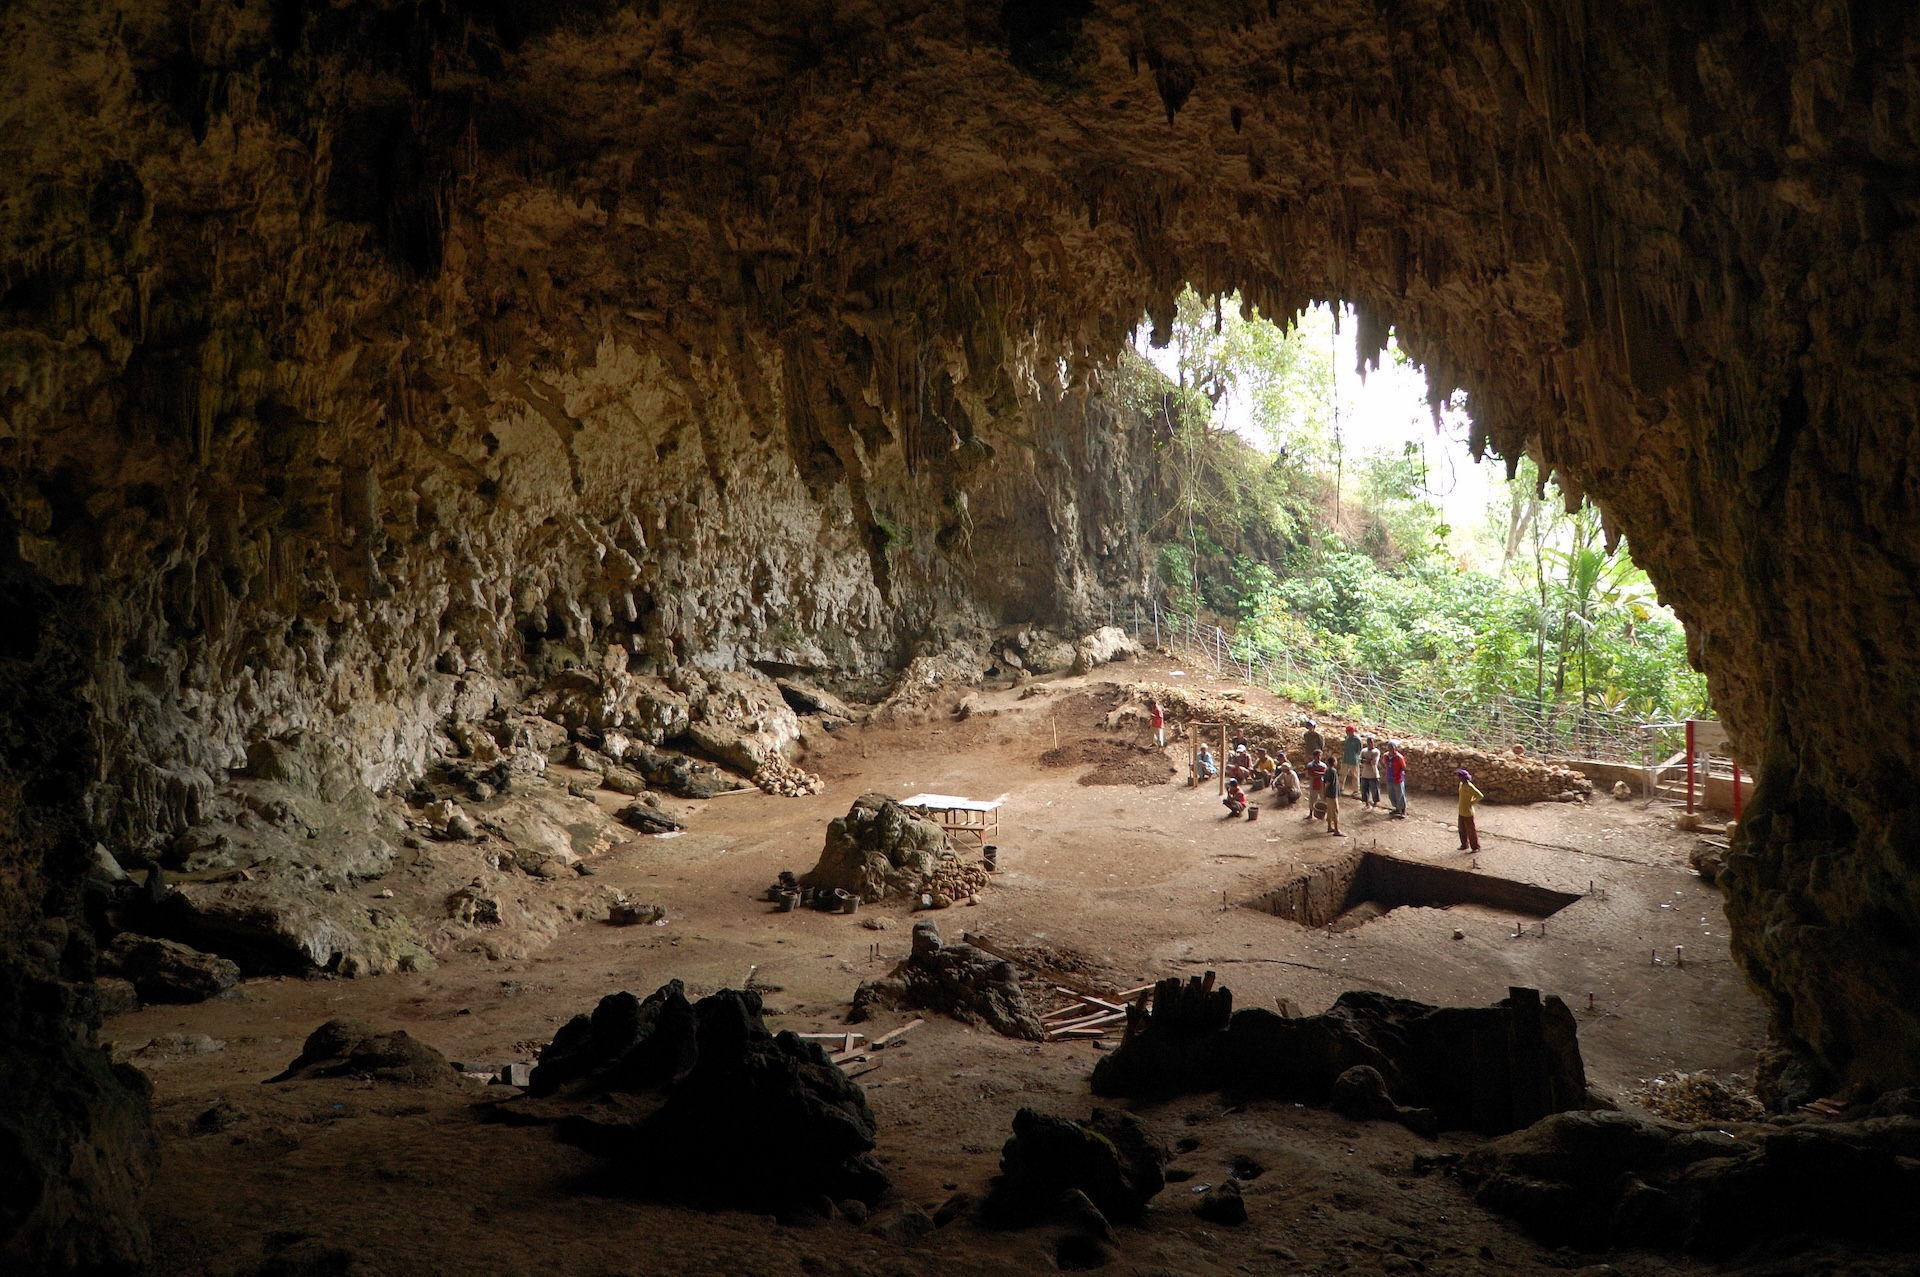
{"x":1463,"y":716}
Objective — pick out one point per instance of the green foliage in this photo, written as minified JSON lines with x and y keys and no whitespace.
{"x":1248,"y":533}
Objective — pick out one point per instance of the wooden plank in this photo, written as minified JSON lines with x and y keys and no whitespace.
{"x":1093,"y":1001}
{"x":886,"y":1038}
{"x":1078,"y":1035}
{"x":848,"y":1038}
{"x":1103,"y":1022}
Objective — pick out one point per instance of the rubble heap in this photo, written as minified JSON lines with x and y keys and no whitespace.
{"x":1602,"y":1181}
{"x":787,"y":780}
{"x":959,"y":980}
{"x":1491,"y":1069}
{"x":700,"y":1101}
{"x":879,"y":849}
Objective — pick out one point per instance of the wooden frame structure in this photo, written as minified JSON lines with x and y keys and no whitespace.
{"x":975,"y":818}
{"x":1193,"y":731}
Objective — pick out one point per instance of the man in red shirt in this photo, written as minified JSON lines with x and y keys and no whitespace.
{"x":1393,"y":770}
{"x":1158,"y":716}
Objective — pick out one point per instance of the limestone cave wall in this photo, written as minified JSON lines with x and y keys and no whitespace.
{"x":359,"y":357}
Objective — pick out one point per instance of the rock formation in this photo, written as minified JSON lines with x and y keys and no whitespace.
{"x":699,"y":1101}
{"x":363,"y":366}
{"x":1603,"y":1181}
{"x":959,"y":980}
{"x":1491,"y":1069}
{"x":878,"y":850}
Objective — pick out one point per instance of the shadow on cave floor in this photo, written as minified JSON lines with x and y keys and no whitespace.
{"x":1128,"y":882}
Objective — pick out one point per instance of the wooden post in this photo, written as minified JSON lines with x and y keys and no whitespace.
{"x":1690,"y":768}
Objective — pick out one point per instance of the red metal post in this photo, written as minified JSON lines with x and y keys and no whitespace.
{"x":1689,"y":764}
{"x":1736,"y":793}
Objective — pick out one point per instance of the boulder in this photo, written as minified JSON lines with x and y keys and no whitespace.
{"x":1110,"y":1157}
{"x":1601,"y":1181}
{"x":878,"y":850}
{"x":649,"y":819}
{"x":166,"y":971}
{"x":352,"y":1048}
{"x":806,"y":698}
{"x":679,"y":775}
{"x":1102,"y":647}
{"x":701,"y":1102}
{"x":1223,"y":1204}
{"x":740,"y":718}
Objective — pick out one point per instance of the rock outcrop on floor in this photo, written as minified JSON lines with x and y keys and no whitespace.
{"x":879,"y":850}
{"x":1490,"y":1069}
{"x":957,"y":980}
{"x":1607,"y":1181}
{"x":700,"y":1102}
{"x":355,"y":1049}
{"x":1110,"y":1158}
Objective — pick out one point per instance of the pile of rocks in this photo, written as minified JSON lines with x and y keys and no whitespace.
{"x":958,"y":980}
{"x":699,"y":1101}
{"x":952,"y":880}
{"x":780,"y":777}
{"x":1602,"y":1181}
{"x":1491,"y":1069}
{"x":878,"y":850}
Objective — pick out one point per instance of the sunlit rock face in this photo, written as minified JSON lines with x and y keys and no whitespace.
{"x":362,"y":363}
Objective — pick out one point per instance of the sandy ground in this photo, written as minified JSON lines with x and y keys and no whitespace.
{"x":1137,"y":882}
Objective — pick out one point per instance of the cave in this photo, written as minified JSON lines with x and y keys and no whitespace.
{"x":367,"y":366}
{"x":1357,"y":888}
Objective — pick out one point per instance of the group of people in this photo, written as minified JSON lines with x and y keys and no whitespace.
{"x":1376,"y":775}
{"x":1363,"y":767}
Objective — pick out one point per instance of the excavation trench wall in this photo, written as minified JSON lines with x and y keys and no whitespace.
{"x":361,"y":362}
{"x":1319,"y":896}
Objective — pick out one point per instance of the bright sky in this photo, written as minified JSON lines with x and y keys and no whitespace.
{"x":1381,"y":413}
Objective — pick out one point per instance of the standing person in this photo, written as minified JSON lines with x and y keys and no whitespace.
{"x":1158,"y":716}
{"x":1370,"y":775}
{"x":1236,"y":800}
{"x":1317,"y":776}
{"x":1395,"y":768}
{"x":1469,"y":798}
{"x":1310,"y":741}
{"x":1350,"y":761}
{"x":1332,"y":797}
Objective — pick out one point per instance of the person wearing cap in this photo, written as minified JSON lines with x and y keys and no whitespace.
{"x":1321,"y":778}
{"x":1469,"y":798}
{"x":1393,"y":770}
{"x":1236,"y":800}
{"x":1350,"y":761}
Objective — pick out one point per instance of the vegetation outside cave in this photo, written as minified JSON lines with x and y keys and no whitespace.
{"x":1266,"y":519}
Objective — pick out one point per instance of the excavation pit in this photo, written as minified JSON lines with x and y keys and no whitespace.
{"x":1361,"y":886}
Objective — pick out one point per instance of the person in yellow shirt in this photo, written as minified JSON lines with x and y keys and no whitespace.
{"x":1469,"y":799}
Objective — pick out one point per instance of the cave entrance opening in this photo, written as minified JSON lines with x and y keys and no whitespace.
{"x":1364,"y":885}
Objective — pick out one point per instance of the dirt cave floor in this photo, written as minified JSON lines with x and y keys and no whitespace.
{"x":1127,"y":882}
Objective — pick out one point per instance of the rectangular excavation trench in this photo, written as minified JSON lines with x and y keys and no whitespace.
{"x":1362,"y":885}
